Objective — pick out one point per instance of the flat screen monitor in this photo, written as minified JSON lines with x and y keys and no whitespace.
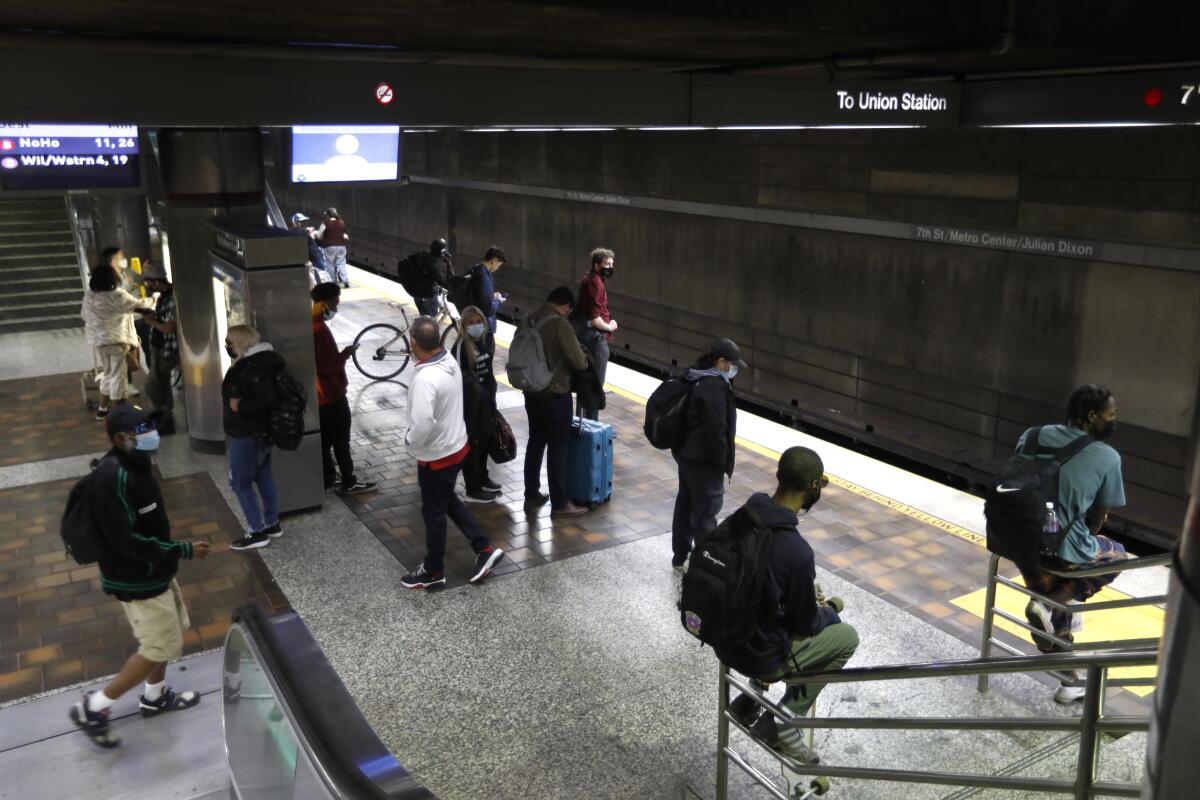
{"x":345,"y":154}
{"x":49,"y":156}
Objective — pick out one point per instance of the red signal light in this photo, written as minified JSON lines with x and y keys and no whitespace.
{"x":6,"y":144}
{"x":1153,"y":97}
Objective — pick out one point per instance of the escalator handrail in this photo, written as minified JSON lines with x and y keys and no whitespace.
{"x":328,"y":723}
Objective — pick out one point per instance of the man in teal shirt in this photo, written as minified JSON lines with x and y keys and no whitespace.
{"x":1089,"y":485}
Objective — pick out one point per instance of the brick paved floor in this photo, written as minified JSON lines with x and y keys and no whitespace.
{"x":57,"y":627}
{"x":45,"y":418}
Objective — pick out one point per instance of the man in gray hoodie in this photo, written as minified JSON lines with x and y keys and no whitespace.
{"x":706,"y":456}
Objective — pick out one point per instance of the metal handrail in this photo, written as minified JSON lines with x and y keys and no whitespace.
{"x":990,"y":612}
{"x":1090,"y":725}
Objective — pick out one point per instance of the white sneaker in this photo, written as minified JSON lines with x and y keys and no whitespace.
{"x":133,"y":391}
{"x":1038,"y":614}
{"x":1070,"y":694}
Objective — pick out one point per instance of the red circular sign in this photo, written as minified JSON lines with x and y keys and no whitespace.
{"x":1153,"y":97}
{"x":384,"y":94}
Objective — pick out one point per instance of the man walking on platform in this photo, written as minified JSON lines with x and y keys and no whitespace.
{"x":332,"y":237}
{"x":138,"y":568}
{"x":597,"y":326}
{"x":438,"y":438}
{"x":332,"y":406}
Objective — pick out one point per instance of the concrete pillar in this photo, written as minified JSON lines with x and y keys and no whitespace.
{"x":208,"y":174}
{"x":120,"y":220}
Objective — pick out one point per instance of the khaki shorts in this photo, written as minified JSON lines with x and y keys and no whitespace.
{"x":114,"y":382}
{"x":158,"y":624}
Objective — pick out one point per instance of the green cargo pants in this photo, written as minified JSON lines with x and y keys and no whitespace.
{"x":827,"y":651}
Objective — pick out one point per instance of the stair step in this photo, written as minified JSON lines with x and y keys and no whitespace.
{"x":49,"y":323}
{"x":34,"y":246}
{"x":5,"y":255}
{"x":38,"y":310}
{"x":20,"y":298}
{"x":71,"y":281}
{"x":41,"y":270}
{"x":45,"y":240}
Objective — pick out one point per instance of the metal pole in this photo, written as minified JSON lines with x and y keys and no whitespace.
{"x":1093,"y":701}
{"x":989,"y":606}
{"x":722,"y":734}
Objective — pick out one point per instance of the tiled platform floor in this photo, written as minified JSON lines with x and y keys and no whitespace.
{"x":911,"y":564}
{"x":57,"y":627}
{"x":44,"y":418}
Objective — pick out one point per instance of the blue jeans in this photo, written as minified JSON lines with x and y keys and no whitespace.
{"x":250,"y":466}
{"x":335,"y":263}
{"x":438,"y":501}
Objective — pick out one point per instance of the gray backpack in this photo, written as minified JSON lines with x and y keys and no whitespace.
{"x":527,"y":367}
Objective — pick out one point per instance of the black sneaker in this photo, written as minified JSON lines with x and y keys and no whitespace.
{"x":166,"y":427}
{"x":1039,"y":616}
{"x":93,"y":723}
{"x":535,"y":500}
{"x":744,"y":708}
{"x":480,"y":496}
{"x":490,"y":485}
{"x":484,"y":562}
{"x":359,"y":487}
{"x":101,"y":413}
{"x":346,"y":284}
{"x":170,"y":700}
{"x":423,"y":579}
{"x":274,"y":531}
{"x":678,"y":561}
{"x":251,"y":541}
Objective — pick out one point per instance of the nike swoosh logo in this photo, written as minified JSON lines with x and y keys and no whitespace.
{"x":1002,"y":488}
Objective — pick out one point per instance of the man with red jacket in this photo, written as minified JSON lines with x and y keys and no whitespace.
{"x":333,"y":408}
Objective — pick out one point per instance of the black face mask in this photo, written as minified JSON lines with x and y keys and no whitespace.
{"x":1108,"y":430}
{"x":232,"y":354}
{"x":606,"y":272}
{"x":811,"y":498}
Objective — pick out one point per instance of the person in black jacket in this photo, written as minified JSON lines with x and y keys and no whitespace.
{"x":137,"y":567}
{"x":248,"y":392}
{"x":475,"y":351}
{"x":432,"y":274}
{"x":706,"y":456}
{"x":804,"y":634}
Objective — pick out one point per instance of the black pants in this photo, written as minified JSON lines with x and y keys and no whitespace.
{"x":335,"y":435}
{"x":439,"y":501}
{"x":597,"y":348}
{"x":549,"y":430}
{"x":475,"y":465}
{"x":701,"y":495}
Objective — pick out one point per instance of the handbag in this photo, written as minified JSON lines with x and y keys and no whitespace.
{"x":503,"y":447}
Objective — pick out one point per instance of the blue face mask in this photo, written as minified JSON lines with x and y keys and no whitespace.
{"x":475,"y":331}
{"x":147,"y":442}
{"x":731,"y":373}
{"x":329,"y":314}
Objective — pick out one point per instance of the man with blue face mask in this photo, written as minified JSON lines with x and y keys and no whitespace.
{"x":138,"y":568}
{"x":706,"y":455}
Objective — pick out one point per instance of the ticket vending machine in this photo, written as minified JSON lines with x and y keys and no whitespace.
{"x":259,"y":279}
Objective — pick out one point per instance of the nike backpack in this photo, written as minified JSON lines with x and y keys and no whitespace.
{"x":723,"y":597}
{"x":665,"y":424}
{"x":1015,"y":506}
{"x":285,"y":423}
{"x":528,"y":370}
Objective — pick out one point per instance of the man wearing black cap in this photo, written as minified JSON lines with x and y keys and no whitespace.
{"x":332,"y":406}
{"x":706,"y":456}
{"x":138,"y":568}
{"x":432,"y":274}
{"x":163,"y":356}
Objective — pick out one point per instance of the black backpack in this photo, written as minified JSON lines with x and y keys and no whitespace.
{"x":285,"y":423}
{"x":464,"y":290}
{"x":665,"y":424}
{"x":81,"y":537}
{"x":724,"y":588}
{"x":406,"y":272}
{"x":1015,"y":506}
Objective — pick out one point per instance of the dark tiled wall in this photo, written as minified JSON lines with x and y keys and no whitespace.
{"x":941,"y":350}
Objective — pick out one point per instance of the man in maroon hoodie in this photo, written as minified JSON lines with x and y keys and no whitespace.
{"x":332,"y":405}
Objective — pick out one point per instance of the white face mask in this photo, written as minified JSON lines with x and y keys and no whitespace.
{"x":123,"y":263}
{"x":329,"y":314}
{"x":731,"y":373}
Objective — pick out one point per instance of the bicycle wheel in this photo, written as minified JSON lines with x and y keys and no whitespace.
{"x":450,"y":336}
{"x":381,"y":351}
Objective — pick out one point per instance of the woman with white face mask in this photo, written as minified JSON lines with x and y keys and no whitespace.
{"x":476,"y":351}
{"x":108,"y":313}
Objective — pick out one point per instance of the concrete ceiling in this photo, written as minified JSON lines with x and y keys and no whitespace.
{"x":860,"y":38}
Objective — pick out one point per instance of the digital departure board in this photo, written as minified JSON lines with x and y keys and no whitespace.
{"x":345,"y":153}
{"x":47,"y":157}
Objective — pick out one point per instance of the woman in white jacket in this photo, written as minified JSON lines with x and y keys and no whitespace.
{"x":108,"y":313}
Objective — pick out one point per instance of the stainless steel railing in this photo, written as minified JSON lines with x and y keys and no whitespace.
{"x":1090,"y":725}
{"x":990,"y":612}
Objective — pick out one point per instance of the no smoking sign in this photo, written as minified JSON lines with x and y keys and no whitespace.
{"x":384,"y":94}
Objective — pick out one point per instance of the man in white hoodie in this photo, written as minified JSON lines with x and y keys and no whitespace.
{"x":438,"y":438}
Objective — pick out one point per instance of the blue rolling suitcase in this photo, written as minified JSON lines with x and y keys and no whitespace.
{"x":590,"y":462}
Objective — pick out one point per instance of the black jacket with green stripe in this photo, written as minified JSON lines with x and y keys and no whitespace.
{"x":140,"y":559}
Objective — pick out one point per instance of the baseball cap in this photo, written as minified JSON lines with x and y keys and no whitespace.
{"x":128,"y":418}
{"x":298,"y":217}
{"x":725,"y":348}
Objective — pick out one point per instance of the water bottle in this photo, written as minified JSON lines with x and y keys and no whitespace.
{"x":1051,"y":525}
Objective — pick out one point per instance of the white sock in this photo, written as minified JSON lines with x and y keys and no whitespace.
{"x":154,"y":690}
{"x":99,"y":701}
